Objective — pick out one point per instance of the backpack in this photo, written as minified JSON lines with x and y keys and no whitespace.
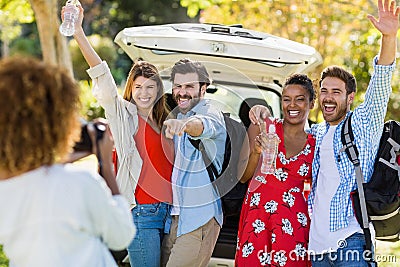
{"x":381,"y":193}
{"x":226,"y":183}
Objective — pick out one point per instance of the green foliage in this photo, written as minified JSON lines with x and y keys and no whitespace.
{"x":394,"y":102}
{"x":194,"y":6}
{"x":104,"y":46}
{"x":26,"y":46}
{"x":12,"y":14}
{"x":339,"y":30}
{"x":108,"y":17}
{"x":363,"y":47}
{"x":90,"y":107}
{"x":3,"y":258}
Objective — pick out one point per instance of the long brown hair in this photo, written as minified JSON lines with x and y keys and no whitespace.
{"x":160,"y":109}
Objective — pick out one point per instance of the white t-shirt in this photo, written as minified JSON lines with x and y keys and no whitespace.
{"x":321,"y":239}
{"x":62,"y":216}
{"x":175,"y":210}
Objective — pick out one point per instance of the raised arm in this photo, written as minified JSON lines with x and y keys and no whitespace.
{"x":90,"y":55}
{"x":388,"y":24}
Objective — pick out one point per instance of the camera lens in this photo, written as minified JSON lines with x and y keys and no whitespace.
{"x":100,"y":129}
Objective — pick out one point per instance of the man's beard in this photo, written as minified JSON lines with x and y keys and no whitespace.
{"x":193,"y":101}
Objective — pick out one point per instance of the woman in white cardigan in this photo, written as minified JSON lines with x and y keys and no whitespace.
{"x":145,"y":157}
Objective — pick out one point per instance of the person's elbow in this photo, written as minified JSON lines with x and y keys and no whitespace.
{"x":120,"y":229}
{"x":122,"y":237}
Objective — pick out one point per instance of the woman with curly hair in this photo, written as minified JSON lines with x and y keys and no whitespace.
{"x":145,"y":157}
{"x":274,"y":223}
{"x":51,"y":214}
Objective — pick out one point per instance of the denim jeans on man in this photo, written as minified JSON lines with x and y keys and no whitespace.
{"x":350,"y":254}
{"x":145,"y":248}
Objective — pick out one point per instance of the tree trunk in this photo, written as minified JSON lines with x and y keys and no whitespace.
{"x":5,"y":48}
{"x":54,"y":45}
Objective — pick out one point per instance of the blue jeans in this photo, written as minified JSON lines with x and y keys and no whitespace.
{"x":145,"y":248}
{"x":349,"y":255}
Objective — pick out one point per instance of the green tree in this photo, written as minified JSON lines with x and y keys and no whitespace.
{"x":12,"y":15}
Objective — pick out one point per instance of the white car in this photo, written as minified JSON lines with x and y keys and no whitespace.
{"x":247,"y":67}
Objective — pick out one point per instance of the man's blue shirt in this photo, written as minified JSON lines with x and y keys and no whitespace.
{"x":198,"y":201}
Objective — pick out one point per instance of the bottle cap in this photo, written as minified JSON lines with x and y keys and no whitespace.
{"x":73,"y":2}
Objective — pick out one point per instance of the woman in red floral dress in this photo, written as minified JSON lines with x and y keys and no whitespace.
{"x":274,"y":222}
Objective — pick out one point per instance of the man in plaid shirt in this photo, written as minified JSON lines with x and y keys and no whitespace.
{"x":336,"y":238}
{"x":335,"y":235}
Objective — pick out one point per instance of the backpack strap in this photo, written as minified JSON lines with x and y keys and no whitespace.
{"x":351,"y":150}
{"x":211,"y":170}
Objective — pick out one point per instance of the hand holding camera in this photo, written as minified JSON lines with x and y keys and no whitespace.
{"x":96,"y":139}
{"x":99,"y":131}
{"x":91,"y":133}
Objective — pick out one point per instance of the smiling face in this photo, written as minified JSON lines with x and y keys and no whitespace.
{"x":334,"y":100}
{"x":144,"y":93}
{"x":186,"y":91}
{"x":296,"y":104}
{"x":144,"y":88}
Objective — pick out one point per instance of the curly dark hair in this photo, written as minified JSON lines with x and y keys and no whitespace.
{"x":303,"y":80}
{"x":39,"y":115}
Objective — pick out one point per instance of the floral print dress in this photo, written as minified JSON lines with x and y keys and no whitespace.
{"x":274,"y":222}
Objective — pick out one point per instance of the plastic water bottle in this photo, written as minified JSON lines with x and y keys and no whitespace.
{"x":71,"y":13}
{"x":270,"y":151}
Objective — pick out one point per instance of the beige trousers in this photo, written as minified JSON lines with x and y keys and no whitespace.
{"x":193,"y":249}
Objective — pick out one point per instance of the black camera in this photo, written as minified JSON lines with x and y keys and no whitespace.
{"x":85,"y":144}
